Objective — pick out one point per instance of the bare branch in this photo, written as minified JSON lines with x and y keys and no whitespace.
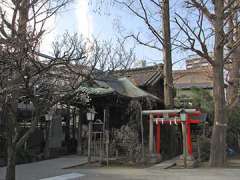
{"x":192,"y":36}
{"x":141,"y":42}
{"x":201,"y":6}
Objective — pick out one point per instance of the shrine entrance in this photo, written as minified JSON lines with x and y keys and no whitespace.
{"x":185,"y":117}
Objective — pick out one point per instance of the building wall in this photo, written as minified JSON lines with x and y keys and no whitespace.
{"x":196,"y":62}
{"x":185,"y":80}
{"x":188,"y":92}
{"x":193,"y":76}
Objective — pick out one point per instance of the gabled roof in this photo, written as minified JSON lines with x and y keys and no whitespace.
{"x":144,"y":76}
{"x":120,"y":86}
{"x":125,"y":87}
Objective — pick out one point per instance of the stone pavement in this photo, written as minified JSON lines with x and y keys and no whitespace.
{"x":54,"y":167}
{"x":46,"y":168}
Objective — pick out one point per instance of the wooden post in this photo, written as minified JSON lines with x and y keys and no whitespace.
{"x":184,"y":144}
{"x":151,"y":134}
{"x":106,"y":128}
{"x":107,"y":147}
{"x":74,"y":123}
{"x":89,"y":140}
{"x":142,"y":133}
{"x":189,"y":139}
{"x":158,"y":138}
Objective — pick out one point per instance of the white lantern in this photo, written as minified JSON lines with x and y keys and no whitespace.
{"x":91,"y":114}
{"x":183,"y":115}
{"x":77,"y":118}
{"x":48,"y":116}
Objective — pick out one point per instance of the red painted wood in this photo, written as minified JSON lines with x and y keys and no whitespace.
{"x":158,"y":135}
{"x":195,"y":121}
{"x":196,"y":113}
{"x":189,"y":138}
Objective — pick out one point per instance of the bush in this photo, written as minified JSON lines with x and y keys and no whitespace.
{"x":204,"y":147}
{"x":24,"y":156}
{"x":3,"y":151}
{"x":126,"y":142}
{"x":233,"y":131}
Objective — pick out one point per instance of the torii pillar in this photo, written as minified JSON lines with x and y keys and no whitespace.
{"x":151,"y":139}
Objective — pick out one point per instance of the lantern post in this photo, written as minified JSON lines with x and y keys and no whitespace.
{"x":183,"y":118}
{"x":90,"y":117}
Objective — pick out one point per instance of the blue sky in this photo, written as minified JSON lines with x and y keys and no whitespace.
{"x":82,"y":16}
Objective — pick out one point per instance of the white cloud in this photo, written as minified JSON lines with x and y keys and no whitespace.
{"x":84,"y":18}
{"x":83,"y":24}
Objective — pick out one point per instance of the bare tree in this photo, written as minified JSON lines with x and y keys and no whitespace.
{"x":111,"y":57}
{"x":211,"y":23}
{"x":102,"y":58}
{"x":152,"y":13}
{"x":99,"y":56}
{"x":25,"y":76}
{"x":46,"y":81}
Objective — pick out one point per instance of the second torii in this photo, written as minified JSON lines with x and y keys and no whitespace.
{"x":170,"y":117}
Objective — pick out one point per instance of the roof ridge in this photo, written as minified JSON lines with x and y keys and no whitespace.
{"x":139,"y":68}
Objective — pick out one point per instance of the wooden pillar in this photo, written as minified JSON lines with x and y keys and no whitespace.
{"x":189,"y":139}
{"x":184,"y":144}
{"x":89,"y":140}
{"x":73,"y":123}
{"x":106,"y":128}
{"x":158,"y":138}
{"x":142,"y":134}
{"x":67,"y":128}
{"x":151,"y":134}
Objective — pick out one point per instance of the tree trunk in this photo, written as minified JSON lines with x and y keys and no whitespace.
{"x":233,"y":68}
{"x":233,"y":86}
{"x":218,"y":141}
{"x":167,"y":56}
{"x":11,"y":160}
{"x":48,"y":134}
{"x":168,"y":79}
{"x":22,"y":25}
{"x":11,"y":146}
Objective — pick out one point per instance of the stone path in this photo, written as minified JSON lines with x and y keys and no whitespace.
{"x":166,"y":164}
{"x":55,"y":167}
{"x":46,"y":168}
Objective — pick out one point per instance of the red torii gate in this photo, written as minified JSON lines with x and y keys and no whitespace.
{"x":170,"y":117}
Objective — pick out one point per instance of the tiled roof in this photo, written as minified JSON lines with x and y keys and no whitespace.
{"x":201,"y":77}
{"x":142,"y":76}
{"x":121,"y":86}
{"x":126,"y":88}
